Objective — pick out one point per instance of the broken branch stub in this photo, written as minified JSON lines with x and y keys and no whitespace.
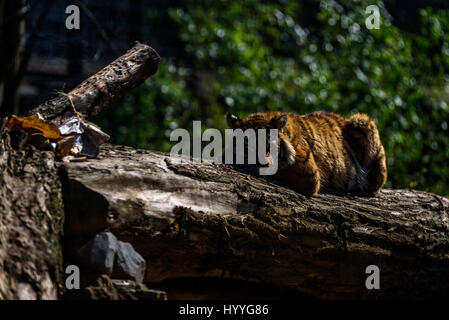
{"x":105,"y":87}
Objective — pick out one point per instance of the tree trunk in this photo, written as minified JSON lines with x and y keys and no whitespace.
{"x":12,"y":31}
{"x":31,"y":218}
{"x":201,"y":219}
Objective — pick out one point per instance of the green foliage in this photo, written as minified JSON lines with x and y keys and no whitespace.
{"x":287,"y":55}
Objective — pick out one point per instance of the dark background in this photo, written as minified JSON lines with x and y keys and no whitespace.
{"x":243,"y":57}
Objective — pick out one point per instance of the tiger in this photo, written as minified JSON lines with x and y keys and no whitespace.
{"x":323,"y":151}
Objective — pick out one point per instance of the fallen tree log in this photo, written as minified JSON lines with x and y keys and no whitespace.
{"x":200,"y":219}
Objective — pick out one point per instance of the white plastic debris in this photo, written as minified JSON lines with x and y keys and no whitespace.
{"x":88,"y":136}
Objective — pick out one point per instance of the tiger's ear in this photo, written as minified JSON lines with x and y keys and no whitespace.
{"x":232,"y":120}
{"x":279,"y":123}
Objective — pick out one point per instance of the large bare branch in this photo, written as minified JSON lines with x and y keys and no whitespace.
{"x":105,"y":87}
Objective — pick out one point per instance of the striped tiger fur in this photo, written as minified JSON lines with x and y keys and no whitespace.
{"x":323,"y":150}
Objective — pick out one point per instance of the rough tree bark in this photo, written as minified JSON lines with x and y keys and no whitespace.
{"x":31,"y":218}
{"x":201,"y":219}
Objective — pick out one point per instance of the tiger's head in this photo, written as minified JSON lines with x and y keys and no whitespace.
{"x":285,"y":153}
